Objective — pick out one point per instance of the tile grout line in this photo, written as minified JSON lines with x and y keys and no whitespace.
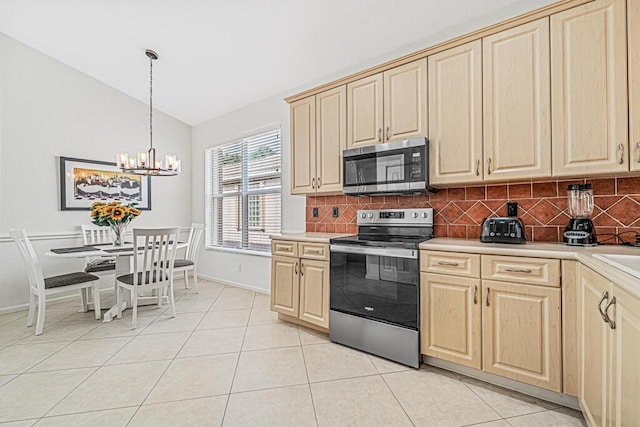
{"x":306,"y":371}
{"x":480,"y":397}
{"x":396,"y":398}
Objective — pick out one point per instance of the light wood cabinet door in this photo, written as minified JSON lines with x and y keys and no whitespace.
{"x":625,"y":371}
{"x":455,"y":115}
{"x":633,"y":11}
{"x":517,"y":103}
{"x":303,"y":146}
{"x":589,"y":89}
{"x":314,"y":292}
{"x":331,"y":138}
{"x":521,"y":333}
{"x":450,"y":318}
{"x":405,"y":101}
{"x":285,"y":290}
{"x":364,"y":112}
{"x":593,"y":347}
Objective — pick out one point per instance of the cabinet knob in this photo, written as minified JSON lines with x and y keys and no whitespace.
{"x":489,"y":166}
{"x":379,"y":134}
{"x":621,"y":153}
{"x":477,"y":167}
{"x":388,"y":132}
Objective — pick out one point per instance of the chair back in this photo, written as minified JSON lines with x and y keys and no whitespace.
{"x":195,"y":237}
{"x":155,"y":263}
{"x":93,"y":234}
{"x":28,"y":254}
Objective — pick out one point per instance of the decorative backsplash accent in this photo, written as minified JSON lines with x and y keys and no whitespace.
{"x":459,"y":211}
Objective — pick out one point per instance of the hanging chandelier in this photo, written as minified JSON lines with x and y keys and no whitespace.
{"x":146,"y":163}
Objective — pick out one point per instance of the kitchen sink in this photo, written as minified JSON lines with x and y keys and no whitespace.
{"x":630,"y":264}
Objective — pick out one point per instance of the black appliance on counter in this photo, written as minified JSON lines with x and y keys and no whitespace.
{"x":502,"y":230}
{"x":580,"y":231}
{"x":400,"y":167}
{"x":375,"y":283}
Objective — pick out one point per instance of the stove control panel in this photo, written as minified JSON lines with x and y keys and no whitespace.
{"x":405,"y":217}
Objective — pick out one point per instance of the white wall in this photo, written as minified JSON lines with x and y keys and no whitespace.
{"x":49,"y":110}
{"x":256,"y":270}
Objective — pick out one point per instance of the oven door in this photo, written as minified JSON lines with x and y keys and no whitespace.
{"x":376,"y":283}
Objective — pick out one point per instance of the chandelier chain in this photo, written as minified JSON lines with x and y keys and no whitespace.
{"x":151,"y":102}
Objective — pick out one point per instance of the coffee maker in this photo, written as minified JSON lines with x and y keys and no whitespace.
{"x":580,"y":230}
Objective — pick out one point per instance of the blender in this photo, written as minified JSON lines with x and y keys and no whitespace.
{"x":580,"y":230}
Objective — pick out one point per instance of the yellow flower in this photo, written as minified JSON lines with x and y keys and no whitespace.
{"x":114,"y":204}
{"x":134,"y":211}
{"x":117,"y":213}
{"x":95,"y":205}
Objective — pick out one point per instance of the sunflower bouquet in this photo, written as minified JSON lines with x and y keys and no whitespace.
{"x":114,"y":215}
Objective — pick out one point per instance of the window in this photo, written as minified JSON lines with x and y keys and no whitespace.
{"x":243,"y":181}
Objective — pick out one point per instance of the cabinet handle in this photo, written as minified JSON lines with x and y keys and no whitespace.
{"x":379,"y":134}
{"x":295,"y":268}
{"x":487,"y":301}
{"x":621,"y":152}
{"x":489,"y":166}
{"x":302,"y":269}
{"x":388,"y":132}
{"x":453,"y":264}
{"x":313,"y":183}
{"x":477,"y":167}
{"x":605,"y":295}
{"x":475,"y":294}
{"x":518,"y":270}
{"x":318,"y":182}
{"x":612,"y":324}
{"x":314,"y":251}
{"x":638,"y":145}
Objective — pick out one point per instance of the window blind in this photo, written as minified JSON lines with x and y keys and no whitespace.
{"x":243,"y":181}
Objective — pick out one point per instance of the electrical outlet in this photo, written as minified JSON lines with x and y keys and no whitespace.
{"x":315,"y":212}
{"x":512,"y":209}
{"x":335,"y":212}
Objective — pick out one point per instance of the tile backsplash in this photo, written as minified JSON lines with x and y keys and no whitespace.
{"x":459,"y":211}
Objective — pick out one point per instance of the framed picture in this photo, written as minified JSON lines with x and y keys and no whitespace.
{"x":83,"y":182}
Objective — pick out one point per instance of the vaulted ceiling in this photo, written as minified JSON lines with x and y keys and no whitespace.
{"x":220,"y":55}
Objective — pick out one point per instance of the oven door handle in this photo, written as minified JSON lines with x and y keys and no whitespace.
{"x":367,"y":250}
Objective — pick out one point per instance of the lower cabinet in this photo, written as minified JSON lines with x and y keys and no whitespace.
{"x":608,"y":349}
{"x":522,"y":333}
{"x":300,"y":285}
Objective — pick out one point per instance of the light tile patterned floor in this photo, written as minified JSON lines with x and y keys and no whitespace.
{"x":227,"y":360}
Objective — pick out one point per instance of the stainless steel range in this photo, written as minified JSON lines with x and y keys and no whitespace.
{"x":375,"y":283}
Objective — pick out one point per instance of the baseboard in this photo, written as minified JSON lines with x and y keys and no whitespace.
{"x":235,"y":284}
{"x":540,"y":393}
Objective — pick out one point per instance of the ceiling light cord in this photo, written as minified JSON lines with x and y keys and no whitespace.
{"x":151,"y":102}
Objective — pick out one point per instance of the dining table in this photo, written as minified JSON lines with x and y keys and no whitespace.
{"x":123,"y":256}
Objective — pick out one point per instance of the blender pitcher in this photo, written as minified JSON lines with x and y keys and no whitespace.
{"x":580,"y":230}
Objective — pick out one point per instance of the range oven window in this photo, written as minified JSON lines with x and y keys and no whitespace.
{"x":376,"y":287}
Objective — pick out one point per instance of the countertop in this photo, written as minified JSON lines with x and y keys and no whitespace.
{"x":308,"y":237}
{"x":547,"y":250}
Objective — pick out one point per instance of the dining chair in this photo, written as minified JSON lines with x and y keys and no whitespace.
{"x":152,"y":268}
{"x":95,"y":235}
{"x":190,"y":261}
{"x":41,"y":287}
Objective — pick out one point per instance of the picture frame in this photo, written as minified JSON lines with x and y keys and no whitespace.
{"x":83,"y":182}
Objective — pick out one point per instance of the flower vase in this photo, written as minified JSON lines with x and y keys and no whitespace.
{"x":118,"y":231}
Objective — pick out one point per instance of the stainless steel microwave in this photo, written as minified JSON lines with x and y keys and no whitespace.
{"x":400,"y":167}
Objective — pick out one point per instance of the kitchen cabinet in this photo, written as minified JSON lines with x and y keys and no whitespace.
{"x":300,"y":282}
{"x":388,"y":106}
{"x":318,"y":134}
{"x":608,"y":347}
{"x":633,"y":28}
{"x":517,"y":105}
{"x":455,"y":115}
{"x":589,"y":89}
{"x":521,"y":333}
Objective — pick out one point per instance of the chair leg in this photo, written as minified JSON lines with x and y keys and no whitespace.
{"x":42,"y":306}
{"x":186,"y":279}
{"x":134,"y":313}
{"x":195,"y":279}
{"x":172,"y":300}
{"x":96,"y":299}
{"x":32,"y":309}
{"x":83,"y":299}
{"x":119,"y":301}
{"x":160,"y":293}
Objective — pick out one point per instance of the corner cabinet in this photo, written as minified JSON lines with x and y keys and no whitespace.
{"x":318,"y":136}
{"x":589,"y":89}
{"x":388,"y":106}
{"x":633,"y":19}
{"x":608,"y":348}
{"x":300,"y":282}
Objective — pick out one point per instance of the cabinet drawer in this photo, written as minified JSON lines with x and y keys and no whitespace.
{"x":467,"y":265}
{"x":284,"y":247}
{"x":533,"y":271}
{"x":314,"y":250}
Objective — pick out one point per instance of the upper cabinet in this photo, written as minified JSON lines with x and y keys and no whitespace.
{"x":318,"y":135}
{"x":455,"y":119}
{"x":388,"y":106}
{"x":633,"y":26}
{"x":517,"y":104}
{"x":589,"y":89}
